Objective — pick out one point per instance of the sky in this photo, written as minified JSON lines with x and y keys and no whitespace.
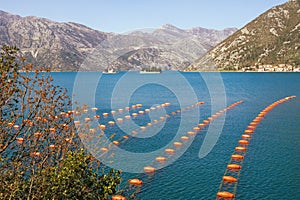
{"x":121,"y":16}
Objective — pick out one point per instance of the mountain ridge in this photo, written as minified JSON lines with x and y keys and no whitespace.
{"x":271,"y":39}
{"x":64,"y":46}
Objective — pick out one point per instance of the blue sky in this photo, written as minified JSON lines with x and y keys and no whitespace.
{"x":126,"y":15}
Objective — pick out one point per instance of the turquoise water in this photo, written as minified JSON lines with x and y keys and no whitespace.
{"x":271,"y":167}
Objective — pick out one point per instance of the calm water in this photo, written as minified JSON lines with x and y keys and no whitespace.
{"x":271,"y":169}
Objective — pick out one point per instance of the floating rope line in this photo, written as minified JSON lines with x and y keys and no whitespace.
{"x":170,"y":151}
{"x":228,"y":186}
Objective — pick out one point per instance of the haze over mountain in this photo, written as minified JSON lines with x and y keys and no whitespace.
{"x":272,"y":38}
{"x":65,"y":46}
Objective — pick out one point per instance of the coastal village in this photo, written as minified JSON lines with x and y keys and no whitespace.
{"x":272,"y":68}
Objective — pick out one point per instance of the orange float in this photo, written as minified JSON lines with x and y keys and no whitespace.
{"x":206,"y":121}
{"x":120,"y":120}
{"x":196,"y":128}
{"x":104,"y":149}
{"x":111,"y":123}
{"x":149,"y":169}
{"x":52,"y":146}
{"x":177,"y":144}
{"x":149,"y":124}
{"x":94,"y":109}
{"x":160,"y":159}
{"x":121,"y":110}
{"x":162,"y":118}
{"x":113,"y":112}
{"x":147,"y":110}
{"x":118,"y":197}
{"x":143,"y":128}
{"x":76,"y":122}
{"x":245,"y":142}
{"x":237,"y":157}
{"x":125,"y":137}
{"x":170,"y":151}
{"x":234,"y":166}
{"x":102,"y":126}
{"x":105,"y":114}
{"x":248,"y":131}
{"x":201,"y":125}
{"x":115,"y":142}
{"x":225,"y":195}
{"x":97,"y":116}
{"x":127,"y":117}
{"x":229,"y":179}
{"x":141,"y":112}
{"x":240,"y":148}
{"x":245,"y":136}
{"x":191,"y":133}
{"x":135,"y":182}
{"x":184,"y":138}
{"x":127,"y":108}
{"x":134,"y":114}
{"x":20,"y":140}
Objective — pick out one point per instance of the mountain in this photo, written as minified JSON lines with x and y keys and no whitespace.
{"x":273,"y":38}
{"x":72,"y":46}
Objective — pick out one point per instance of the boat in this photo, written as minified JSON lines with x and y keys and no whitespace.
{"x":152,"y":70}
{"x":110,"y":71}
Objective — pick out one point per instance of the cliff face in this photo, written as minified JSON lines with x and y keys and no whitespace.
{"x":44,"y":42}
{"x":64,"y":46}
{"x":272,"y":38}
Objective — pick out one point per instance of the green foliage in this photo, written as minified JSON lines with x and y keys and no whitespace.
{"x":41,"y":156}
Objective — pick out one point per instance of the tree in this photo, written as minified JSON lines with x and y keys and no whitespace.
{"x":41,"y":156}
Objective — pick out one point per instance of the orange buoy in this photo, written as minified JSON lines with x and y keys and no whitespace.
{"x":196,"y":128}
{"x":120,"y":120}
{"x":243,"y":142}
{"x":251,"y":127}
{"x":36,"y":154}
{"x":184,"y":138}
{"x":167,"y":104}
{"x":225,"y":195}
{"x":97,"y":116}
{"x":201,"y":125}
{"x":16,"y":127}
{"x":139,"y":105}
{"x":177,"y":144}
{"x":191,"y":133}
{"x":87,"y":119}
{"x":121,"y":110}
{"x":149,"y":169}
{"x":135,"y":182}
{"x":105,"y":114}
{"x":233,"y":166}
{"x":147,"y":110}
{"x":127,"y":117}
{"x":118,"y":197}
{"x":248,"y":131}
{"x":127,"y":108}
{"x":104,"y":149}
{"x":149,"y":124}
{"x":143,"y":128}
{"x":111,"y":123}
{"x":229,"y":179}
{"x":102,"y":126}
{"x":134,"y":106}
{"x":141,"y":112}
{"x":205,"y":121}
{"x":115,"y":142}
{"x":76,"y":122}
{"x":52,"y":146}
{"x":169,"y":150}
{"x":240,"y":148}
{"x":20,"y":140}
{"x":155,"y":121}
{"x":113,"y":112}
{"x":94,"y":109}
{"x":162,"y":118}
{"x":237,"y":157}
{"x":125,"y":137}
{"x":160,"y":159}
{"x":134,"y":114}
{"x":245,"y":136}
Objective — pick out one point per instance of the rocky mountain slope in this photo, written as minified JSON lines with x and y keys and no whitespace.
{"x":272,"y":38}
{"x":65,"y":46}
